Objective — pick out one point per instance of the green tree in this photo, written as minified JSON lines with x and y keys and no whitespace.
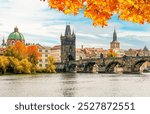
{"x":19,"y":66}
{"x":10,"y":51}
{"x":26,"y":65}
{"x":51,"y":65}
{"x":14,"y":65}
{"x":3,"y":64}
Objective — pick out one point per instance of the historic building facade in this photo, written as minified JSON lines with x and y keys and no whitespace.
{"x":115,"y":44}
{"x":137,"y":52}
{"x":89,"y":53}
{"x":17,"y":36}
{"x":67,"y":50}
{"x":68,"y":45}
{"x":14,"y":37}
{"x":11,"y":40}
{"x":56,"y":52}
{"x":45,"y":52}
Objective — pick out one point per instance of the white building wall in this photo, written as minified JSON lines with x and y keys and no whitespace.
{"x":45,"y":53}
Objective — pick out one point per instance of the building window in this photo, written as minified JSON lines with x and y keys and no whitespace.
{"x":40,"y":50}
{"x":46,"y":55}
{"x":40,"y":65}
{"x":46,"y":65}
{"x":46,"y":50}
{"x":46,"y":60}
{"x":13,"y":42}
{"x":40,"y":60}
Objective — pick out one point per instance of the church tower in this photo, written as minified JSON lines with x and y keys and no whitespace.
{"x":3,"y":43}
{"x":68,"y":45}
{"x":115,"y":44}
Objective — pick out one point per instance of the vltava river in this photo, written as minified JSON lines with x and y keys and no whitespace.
{"x":80,"y":85}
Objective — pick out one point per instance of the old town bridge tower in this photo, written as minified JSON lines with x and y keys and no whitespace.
{"x":68,"y":45}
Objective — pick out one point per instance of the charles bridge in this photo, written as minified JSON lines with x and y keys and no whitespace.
{"x":123,"y":64}
{"x":106,"y":65}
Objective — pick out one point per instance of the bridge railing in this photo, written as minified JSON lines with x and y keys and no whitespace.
{"x":109,"y":58}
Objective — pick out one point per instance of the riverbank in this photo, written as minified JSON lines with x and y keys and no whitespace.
{"x":12,"y":74}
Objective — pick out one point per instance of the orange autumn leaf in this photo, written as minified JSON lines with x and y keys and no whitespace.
{"x":20,"y":50}
{"x":100,"y":11}
{"x":111,"y":53}
{"x":33,"y":54}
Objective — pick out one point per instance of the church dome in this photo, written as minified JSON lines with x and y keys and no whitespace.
{"x":16,"y":35}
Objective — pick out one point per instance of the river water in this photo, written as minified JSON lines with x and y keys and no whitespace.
{"x":75,"y":85}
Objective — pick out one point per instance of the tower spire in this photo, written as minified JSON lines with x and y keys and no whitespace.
{"x":73,"y":33}
{"x":114,"y":35}
{"x":145,"y":48}
{"x":68,"y":30}
{"x":3,"y":42}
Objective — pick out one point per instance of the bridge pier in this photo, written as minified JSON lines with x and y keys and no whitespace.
{"x":127,"y":69}
{"x":118,"y":70}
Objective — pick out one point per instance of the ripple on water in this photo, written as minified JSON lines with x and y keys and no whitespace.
{"x":72,"y":85}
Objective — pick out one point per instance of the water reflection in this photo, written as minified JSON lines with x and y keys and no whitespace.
{"x":114,"y":83}
{"x":72,"y":85}
{"x":68,"y":84}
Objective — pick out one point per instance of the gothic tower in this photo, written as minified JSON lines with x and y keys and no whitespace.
{"x":115,"y":44}
{"x":3,"y":43}
{"x":68,"y":45}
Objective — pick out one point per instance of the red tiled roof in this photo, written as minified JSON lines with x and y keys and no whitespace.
{"x":56,"y":47}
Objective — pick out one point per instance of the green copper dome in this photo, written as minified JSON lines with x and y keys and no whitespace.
{"x":16,"y":35}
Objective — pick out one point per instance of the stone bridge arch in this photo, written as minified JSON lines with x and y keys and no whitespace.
{"x":73,"y":67}
{"x":91,"y":67}
{"x":137,"y":65}
{"x":110,"y":67}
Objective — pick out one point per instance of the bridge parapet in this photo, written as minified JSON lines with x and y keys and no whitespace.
{"x":128,"y":64}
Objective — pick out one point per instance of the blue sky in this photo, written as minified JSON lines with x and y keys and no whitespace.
{"x":39,"y":24}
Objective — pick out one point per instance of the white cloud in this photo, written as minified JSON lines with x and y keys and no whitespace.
{"x":87,"y":35}
{"x":39,"y":24}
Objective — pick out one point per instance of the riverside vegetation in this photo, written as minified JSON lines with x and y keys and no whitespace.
{"x":22,"y":59}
